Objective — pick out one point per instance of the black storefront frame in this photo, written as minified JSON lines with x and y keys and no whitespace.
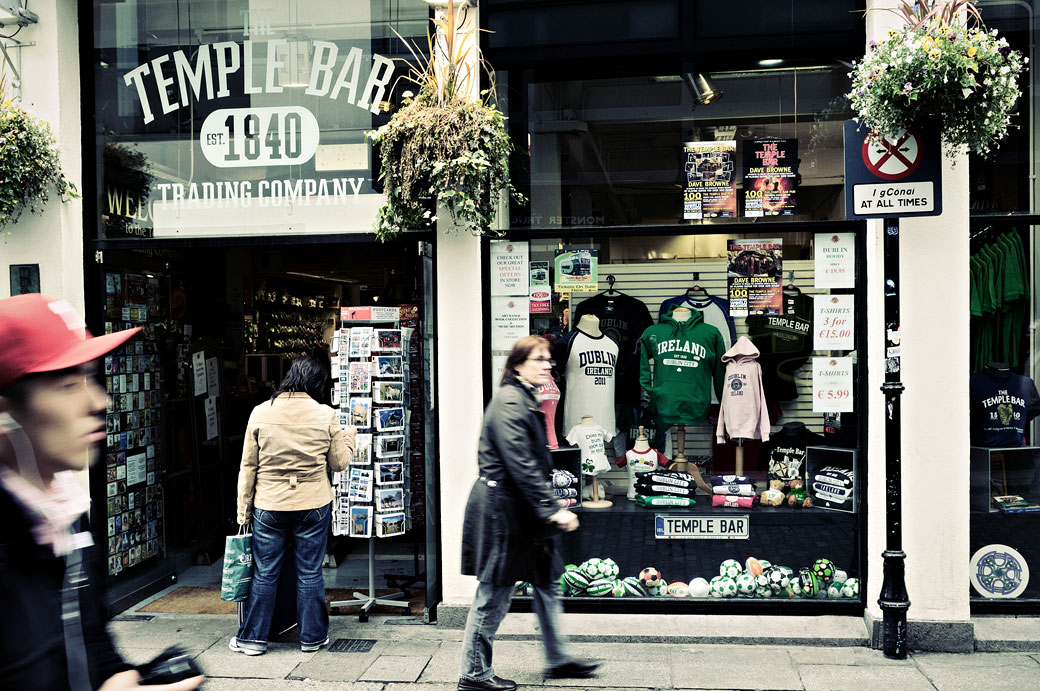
{"x":671,"y":605}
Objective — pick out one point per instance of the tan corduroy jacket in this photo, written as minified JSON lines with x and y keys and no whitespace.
{"x":289,"y":442}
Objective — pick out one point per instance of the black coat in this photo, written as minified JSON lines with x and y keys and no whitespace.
{"x":32,"y":637}
{"x":507,"y":536}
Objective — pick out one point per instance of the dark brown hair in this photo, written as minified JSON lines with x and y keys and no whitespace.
{"x":306,"y":375}
{"x":522,"y":350}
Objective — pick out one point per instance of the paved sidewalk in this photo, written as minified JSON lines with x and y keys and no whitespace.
{"x":409,"y":655}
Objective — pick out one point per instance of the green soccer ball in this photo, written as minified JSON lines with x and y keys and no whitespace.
{"x":834,"y":590}
{"x":763,"y":591}
{"x":591,"y":568}
{"x":746,"y":585}
{"x":824,"y":570}
{"x":609,"y":568}
{"x":730,"y":568}
{"x":618,"y":588}
{"x":851,"y":588}
{"x":523,"y":588}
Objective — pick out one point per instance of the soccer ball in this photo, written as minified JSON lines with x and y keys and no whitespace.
{"x":763,"y":591}
{"x":775,"y":579}
{"x":609,"y":568}
{"x":632,"y":587}
{"x":699,"y":588}
{"x":600,"y":587}
{"x":523,"y":588}
{"x":730,"y":568}
{"x":746,"y":585}
{"x":851,"y":588}
{"x":834,"y":590}
{"x":678,"y":589}
{"x":591,"y":568}
{"x":824,"y":569}
{"x":723,"y":586}
{"x":809,"y":582}
{"x":765,"y":564}
{"x":795,"y":586}
{"x":617,"y":589}
{"x":660,"y":591}
{"x":650,"y":577}
{"x":752,"y":566}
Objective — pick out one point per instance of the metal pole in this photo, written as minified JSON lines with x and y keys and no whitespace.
{"x":894,"y":600}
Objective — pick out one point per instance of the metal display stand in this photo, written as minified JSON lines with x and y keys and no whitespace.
{"x":369,"y":600}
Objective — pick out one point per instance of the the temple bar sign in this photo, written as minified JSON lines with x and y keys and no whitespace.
{"x":897,"y":177}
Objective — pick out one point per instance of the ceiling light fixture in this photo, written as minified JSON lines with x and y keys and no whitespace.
{"x":770,"y":62}
{"x":703,"y":91}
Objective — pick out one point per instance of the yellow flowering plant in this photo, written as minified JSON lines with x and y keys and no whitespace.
{"x":944,"y":68}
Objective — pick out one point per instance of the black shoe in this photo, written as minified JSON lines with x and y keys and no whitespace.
{"x":492,"y":684}
{"x":574,"y":670}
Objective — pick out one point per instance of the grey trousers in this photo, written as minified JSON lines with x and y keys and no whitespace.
{"x":486,"y":614}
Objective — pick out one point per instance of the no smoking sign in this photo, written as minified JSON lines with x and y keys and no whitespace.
{"x":893,"y":177}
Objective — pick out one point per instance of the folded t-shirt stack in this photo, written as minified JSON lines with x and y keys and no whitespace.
{"x":565,"y":486}
{"x":666,"y":483}
{"x":733,"y":491}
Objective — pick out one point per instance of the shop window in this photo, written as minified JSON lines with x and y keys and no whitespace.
{"x":705,"y":415}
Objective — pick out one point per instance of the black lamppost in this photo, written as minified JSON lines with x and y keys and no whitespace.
{"x":894,"y":599}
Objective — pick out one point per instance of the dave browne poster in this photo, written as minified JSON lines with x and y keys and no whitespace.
{"x":711,"y":186}
{"x":770,"y":175}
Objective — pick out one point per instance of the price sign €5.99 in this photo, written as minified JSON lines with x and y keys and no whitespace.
{"x":832,"y":385}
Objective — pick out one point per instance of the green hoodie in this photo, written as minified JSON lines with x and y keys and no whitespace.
{"x":687,"y":360}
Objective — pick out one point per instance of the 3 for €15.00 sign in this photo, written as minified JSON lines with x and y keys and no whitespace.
{"x":893,"y":177}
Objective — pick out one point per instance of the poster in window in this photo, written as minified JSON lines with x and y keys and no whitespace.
{"x":577,"y":270}
{"x":711,"y":186}
{"x":770,"y":178}
{"x":754,"y":275}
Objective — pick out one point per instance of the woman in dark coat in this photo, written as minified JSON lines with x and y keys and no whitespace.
{"x":510,"y":521}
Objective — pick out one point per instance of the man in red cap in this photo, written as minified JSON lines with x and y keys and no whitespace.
{"x":51,"y":419}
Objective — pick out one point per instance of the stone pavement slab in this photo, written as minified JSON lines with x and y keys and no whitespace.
{"x":843,"y":656}
{"x":862,"y":678}
{"x":620,"y":673}
{"x":277,"y":663}
{"x":1006,"y":633}
{"x":521,"y":661}
{"x":950,"y":672}
{"x":396,"y":668}
{"x":223,"y":684}
{"x":733,"y":667}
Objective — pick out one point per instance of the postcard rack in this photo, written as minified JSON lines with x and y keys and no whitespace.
{"x":369,"y":368}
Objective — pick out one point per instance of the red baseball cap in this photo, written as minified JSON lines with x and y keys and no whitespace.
{"x":40,"y":333}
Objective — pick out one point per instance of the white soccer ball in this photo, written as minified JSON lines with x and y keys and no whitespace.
{"x":650,"y":577}
{"x":778,"y":580}
{"x":730,"y":568}
{"x":765,"y":564}
{"x":834,"y":590}
{"x":610,"y":568}
{"x":699,"y":588}
{"x":591,"y":568}
{"x":851,"y":588}
{"x":763,"y":591}
{"x":746,"y":585}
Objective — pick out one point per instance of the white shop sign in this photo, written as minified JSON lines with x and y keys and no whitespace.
{"x":692,"y":527}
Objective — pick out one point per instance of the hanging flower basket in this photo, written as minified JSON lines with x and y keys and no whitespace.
{"x":943,"y":68}
{"x":442,"y":146}
{"x":29,"y":166}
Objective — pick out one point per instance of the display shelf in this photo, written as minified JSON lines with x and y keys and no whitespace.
{"x":1001,"y":472}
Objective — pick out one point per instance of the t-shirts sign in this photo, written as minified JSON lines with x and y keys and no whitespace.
{"x":509,"y":272}
{"x":832,"y":385}
{"x":835,"y":262}
{"x":833,"y":322}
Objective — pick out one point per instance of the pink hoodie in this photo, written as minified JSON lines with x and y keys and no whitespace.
{"x":743,"y":413}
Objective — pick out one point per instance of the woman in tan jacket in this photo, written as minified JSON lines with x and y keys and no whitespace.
{"x":283,"y":487}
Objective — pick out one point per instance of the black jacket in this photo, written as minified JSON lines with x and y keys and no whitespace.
{"x":32,"y":637}
{"x":506,"y":534}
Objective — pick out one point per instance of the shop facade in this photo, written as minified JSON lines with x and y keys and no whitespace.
{"x":606,"y":125}
{"x":230,"y":214}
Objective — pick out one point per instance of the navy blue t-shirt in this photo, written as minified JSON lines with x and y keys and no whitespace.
{"x":1000,"y":408}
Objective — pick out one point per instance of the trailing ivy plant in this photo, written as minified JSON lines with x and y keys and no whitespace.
{"x":29,"y":165}
{"x":443,"y":146}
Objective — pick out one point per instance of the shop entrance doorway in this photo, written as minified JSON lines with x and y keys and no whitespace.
{"x":221,"y":324}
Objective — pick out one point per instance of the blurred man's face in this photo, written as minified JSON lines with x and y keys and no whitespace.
{"x":63,"y":417}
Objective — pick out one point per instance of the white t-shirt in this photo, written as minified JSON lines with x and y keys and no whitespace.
{"x":638,"y":463}
{"x":590,"y":439}
{"x":589,"y":374}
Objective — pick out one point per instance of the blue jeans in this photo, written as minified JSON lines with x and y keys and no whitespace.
{"x":486,"y":614}
{"x":309,"y":532}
